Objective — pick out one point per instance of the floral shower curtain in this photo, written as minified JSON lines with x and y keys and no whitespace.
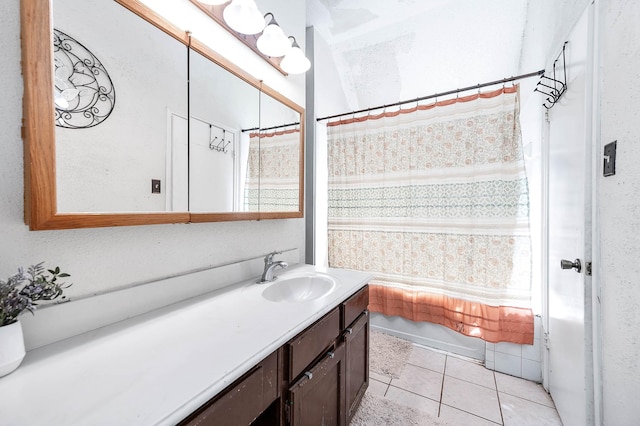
{"x":273,"y":171}
{"x":433,"y":201}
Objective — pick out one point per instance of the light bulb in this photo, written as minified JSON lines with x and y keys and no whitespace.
{"x":244,"y":17}
{"x":273,"y":42}
{"x":295,"y":62}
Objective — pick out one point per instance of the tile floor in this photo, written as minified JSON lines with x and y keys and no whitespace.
{"x":463,"y":392}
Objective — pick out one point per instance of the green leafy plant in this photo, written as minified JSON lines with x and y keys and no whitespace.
{"x":20,"y":291}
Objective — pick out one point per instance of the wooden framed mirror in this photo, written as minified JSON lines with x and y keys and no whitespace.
{"x":104,"y":174}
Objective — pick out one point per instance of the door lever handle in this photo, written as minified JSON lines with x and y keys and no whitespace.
{"x":567,"y":264}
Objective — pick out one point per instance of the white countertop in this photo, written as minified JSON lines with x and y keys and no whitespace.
{"x":160,"y":367}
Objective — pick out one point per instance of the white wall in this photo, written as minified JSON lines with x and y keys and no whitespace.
{"x":104,"y":259}
{"x":618,"y":210}
{"x":385,"y":54}
{"x":548,"y":25}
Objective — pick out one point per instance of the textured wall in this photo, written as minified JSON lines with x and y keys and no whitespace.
{"x":548,"y":25}
{"x":104,"y":259}
{"x":387,"y":52}
{"x":619,"y":211}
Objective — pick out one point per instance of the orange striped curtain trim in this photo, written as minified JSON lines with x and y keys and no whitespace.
{"x":272,"y":134}
{"x":469,"y":98}
{"x":491,"y":323}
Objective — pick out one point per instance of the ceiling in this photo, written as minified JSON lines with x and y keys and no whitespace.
{"x":384,"y":51}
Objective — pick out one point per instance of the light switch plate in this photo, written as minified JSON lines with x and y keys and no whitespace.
{"x":609,"y":168}
{"x":155,"y":186}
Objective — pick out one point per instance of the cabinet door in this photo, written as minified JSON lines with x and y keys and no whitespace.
{"x":318,"y":398}
{"x":356,"y":341}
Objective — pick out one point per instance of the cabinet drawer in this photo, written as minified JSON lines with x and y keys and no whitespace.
{"x":312,"y":342}
{"x":244,"y":400}
{"x":354,"y":306}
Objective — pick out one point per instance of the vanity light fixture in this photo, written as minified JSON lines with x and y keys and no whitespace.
{"x":261,"y":33}
{"x":295,"y":62}
{"x":273,"y":42}
{"x":244,"y":17}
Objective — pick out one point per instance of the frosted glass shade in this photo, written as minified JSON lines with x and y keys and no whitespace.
{"x":213,"y":2}
{"x":273,"y":42}
{"x":244,"y":17}
{"x":295,"y":62}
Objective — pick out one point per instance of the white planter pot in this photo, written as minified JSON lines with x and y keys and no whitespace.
{"x":11,"y":347}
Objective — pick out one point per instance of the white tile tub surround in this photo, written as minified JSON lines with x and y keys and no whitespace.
{"x":523,"y":361}
{"x":60,"y":321}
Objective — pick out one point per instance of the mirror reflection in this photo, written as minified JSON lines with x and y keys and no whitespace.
{"x":147,"y":124}
{"x":273,"y":183}
{"x":221,"y":106}
{"x":109,"y":166}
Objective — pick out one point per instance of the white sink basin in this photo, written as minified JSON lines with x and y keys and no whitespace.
{"x":300,"y":287}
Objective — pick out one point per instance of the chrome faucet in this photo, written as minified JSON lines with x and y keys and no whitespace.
{"x":270,"y":266}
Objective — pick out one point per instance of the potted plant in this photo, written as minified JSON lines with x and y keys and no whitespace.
{"x":19,"y":293}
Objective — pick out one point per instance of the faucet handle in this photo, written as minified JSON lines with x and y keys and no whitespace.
{"x":269,"y":257}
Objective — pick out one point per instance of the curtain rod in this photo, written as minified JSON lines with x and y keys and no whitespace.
{"x":436,"y":95}
{"x":297,"y":123}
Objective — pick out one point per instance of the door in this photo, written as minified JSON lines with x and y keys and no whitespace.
{"x":177,"y":185}
{"x":569,"y":301}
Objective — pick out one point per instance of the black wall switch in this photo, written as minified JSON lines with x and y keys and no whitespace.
{"x":155,"y":186}
{"x":609,"y":168}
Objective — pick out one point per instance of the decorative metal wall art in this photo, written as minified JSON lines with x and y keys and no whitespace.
{"x":84,"y":95}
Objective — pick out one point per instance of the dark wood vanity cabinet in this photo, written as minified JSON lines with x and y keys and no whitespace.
{"x":330,"y":390}
{"x":317,"y":378}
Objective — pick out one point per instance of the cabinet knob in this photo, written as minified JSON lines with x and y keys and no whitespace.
{"x":349,"y":330}
{"x":309,"y":374}
{"x":330,"y":354}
